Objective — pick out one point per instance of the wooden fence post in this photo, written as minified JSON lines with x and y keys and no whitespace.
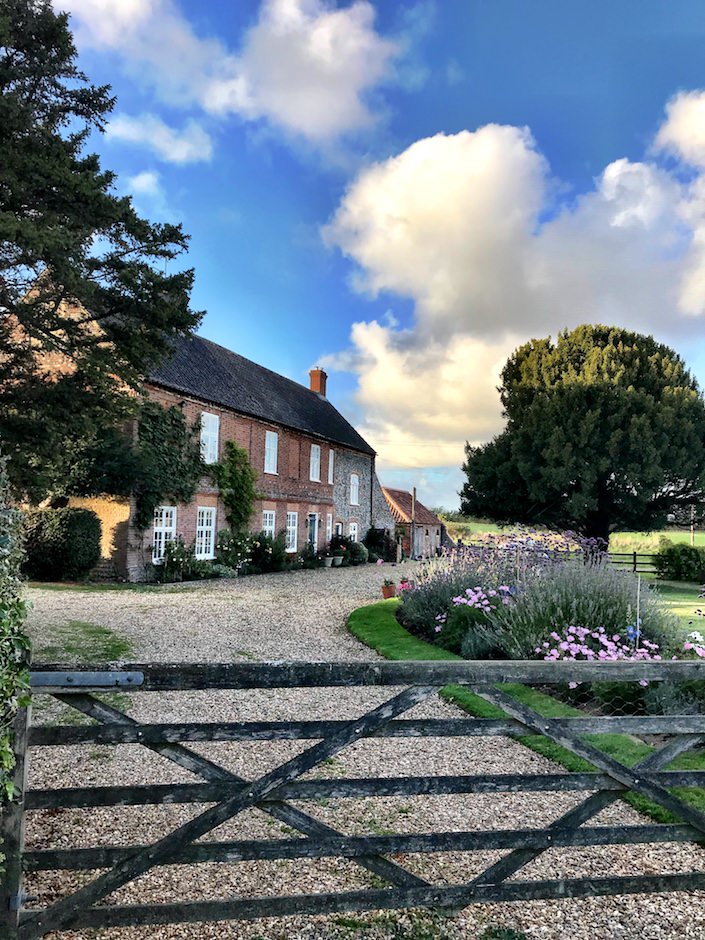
{"x":12,"y":835}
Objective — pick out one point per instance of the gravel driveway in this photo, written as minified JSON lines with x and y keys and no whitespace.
{"x":301,"y":616}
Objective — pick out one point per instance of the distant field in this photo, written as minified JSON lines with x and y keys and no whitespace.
{"x":465,"y":530}
{"x":647,"y":542}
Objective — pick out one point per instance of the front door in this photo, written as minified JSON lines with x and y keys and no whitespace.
{"x":313,"y":530}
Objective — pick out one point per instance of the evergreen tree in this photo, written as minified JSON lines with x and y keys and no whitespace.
{"x":86,"y":303}
{"x":605,"y":430}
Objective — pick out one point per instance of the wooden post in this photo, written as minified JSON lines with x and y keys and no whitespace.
{"x":12,"y":835}
{"x":634,"y":562}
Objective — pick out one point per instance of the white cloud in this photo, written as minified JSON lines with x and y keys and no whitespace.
{"x":190,"y":145}
{"x":492,"y":250}
{"x":148,"y":195}
{"x":683,"y":132}
{"x":305,"y":66}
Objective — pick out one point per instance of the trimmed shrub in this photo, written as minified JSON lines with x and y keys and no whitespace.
{"x":357,"y":554}
{"x":60,"y":544}
{"x":678,"y":562}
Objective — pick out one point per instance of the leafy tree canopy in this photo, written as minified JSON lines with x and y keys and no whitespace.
{"x":86,"y":303}
{"x":605,"y":430}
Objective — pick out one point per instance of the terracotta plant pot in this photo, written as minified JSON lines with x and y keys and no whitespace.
{"x":389,"y":590}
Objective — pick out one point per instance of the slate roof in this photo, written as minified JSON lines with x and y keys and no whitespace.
{"x":400,"y":505}
{"x":217,"y":375}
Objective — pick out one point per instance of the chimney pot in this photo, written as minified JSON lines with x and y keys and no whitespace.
{"x":318,"y":381}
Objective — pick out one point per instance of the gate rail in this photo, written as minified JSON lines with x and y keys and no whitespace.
{"x":411,"y":683}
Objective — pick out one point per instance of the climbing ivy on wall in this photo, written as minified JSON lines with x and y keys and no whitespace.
{"x":169,"y":460}
{"x":236,"y":480}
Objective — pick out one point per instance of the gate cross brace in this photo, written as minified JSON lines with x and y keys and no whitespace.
{"x":633,"y":777}
{"x":214,"y":773}
{"x":62,"y":912}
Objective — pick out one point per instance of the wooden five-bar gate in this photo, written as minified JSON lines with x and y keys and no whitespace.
{"x":410,"y":683}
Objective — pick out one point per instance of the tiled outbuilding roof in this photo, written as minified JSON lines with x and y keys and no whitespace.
{"x":217,"y":375}
{"x":400,"y":506}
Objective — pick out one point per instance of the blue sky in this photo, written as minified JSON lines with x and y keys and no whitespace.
{"x":404,"y":192}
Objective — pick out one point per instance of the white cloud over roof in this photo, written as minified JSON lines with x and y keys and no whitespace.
{"x":492,"y":249}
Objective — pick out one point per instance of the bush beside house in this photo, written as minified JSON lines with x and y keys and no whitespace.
{"x":60,"y":544}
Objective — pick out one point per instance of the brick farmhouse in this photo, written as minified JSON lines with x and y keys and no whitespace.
{"x":315,"y":473}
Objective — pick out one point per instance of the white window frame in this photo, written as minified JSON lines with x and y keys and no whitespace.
{"x":164,"y":531}
{"x":354,"y":489}
{"x":314,"y":466}
{"x":353,"y":531}
{"x":292,"y":531}
{"x":210,"y":433}
{"x":329,"y":527}
{"x":271,"y":451}
{"x":269,"y":522}
{"x":339,"y":528}
{"x":205,"y":532}
{"x":331,"y":464}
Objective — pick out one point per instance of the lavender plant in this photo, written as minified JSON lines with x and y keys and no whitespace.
{"x":586,"y":592}
{"x":498,"y":560}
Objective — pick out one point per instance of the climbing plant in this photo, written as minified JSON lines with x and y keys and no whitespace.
{"x":236,"y":479}
{"x":169,"y":460}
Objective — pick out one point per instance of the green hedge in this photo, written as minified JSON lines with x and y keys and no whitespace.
{"x":677,"y":562}
{"x":60,"y":544}
{"x":14,"y":643}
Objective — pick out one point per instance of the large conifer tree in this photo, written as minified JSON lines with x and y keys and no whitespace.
{"x":605,"y":430}
{"x":88,"y":300}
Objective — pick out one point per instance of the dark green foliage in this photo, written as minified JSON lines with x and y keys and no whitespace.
{"x":236,"y":479}
{"x":340,"y":545}
{"x":169,"y":464}
{"x":678,"y":562}
{"x":605,"y":430}
{"x":267,"y":553}
{"x":104,"y":461}
{"x":14,"y":642}
{"x":380,"y":543}
{"x":357,"y":553}
{"x":81,"y":274}
{"x":60,"y":544}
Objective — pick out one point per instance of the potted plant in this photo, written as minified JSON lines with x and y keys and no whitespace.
{"x":389,"y":588}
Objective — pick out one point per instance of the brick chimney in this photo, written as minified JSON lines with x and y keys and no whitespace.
{"x":318,"y":381}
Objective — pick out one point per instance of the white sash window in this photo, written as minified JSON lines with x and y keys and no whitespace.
{"x":292,"y":531}
{"x":205,"y":532}
{"x":210,"y":429}
{"x":164,"y":531}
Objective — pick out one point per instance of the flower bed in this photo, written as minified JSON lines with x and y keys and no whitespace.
{"x":557,"y":597}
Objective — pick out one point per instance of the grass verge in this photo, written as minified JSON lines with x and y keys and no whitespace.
{"x":83,"y":642}
{"x":377,"y":627}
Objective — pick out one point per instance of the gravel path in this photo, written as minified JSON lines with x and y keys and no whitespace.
{"x":301,"y":616}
